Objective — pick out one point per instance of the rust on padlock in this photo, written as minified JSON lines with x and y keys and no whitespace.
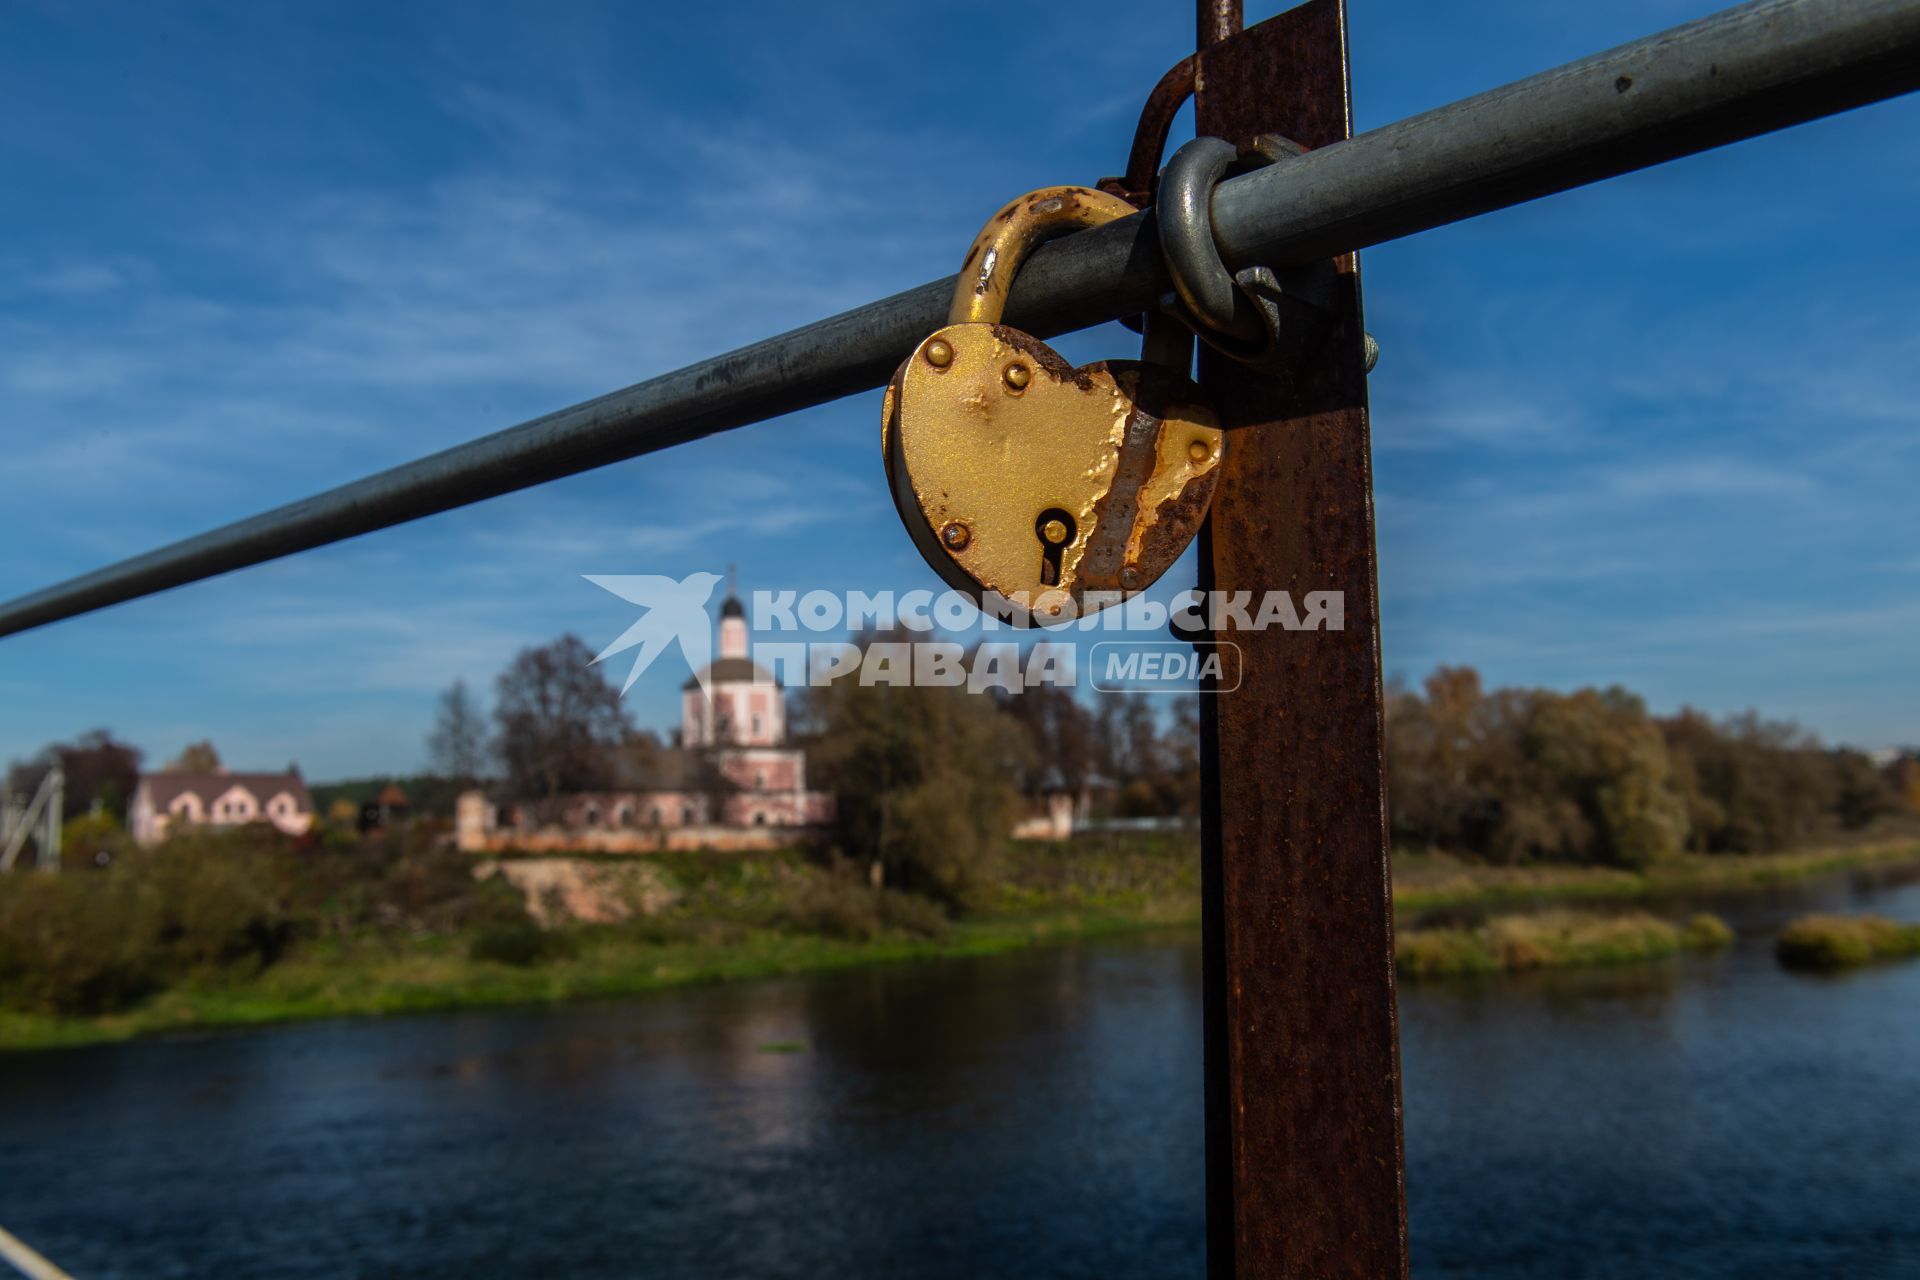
{"x":1115,"y":445}
{"x":986,"y":273}
{"x":1017,"y":473}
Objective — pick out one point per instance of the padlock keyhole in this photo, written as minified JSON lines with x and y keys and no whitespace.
{"x":1054,"y":527}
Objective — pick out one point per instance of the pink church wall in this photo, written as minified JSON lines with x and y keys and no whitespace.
{"x":739,"y":725}
{"x":734,"y":713}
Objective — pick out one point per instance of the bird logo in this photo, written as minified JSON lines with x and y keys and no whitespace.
{"x":675,"y":610}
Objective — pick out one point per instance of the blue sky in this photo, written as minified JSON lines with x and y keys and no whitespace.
{"x":1663,"y":432}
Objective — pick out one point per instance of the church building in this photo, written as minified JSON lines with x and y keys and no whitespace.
{"x":737,"y":719}
{"x":730,"y":781}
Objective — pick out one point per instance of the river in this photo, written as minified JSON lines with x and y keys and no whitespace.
{"x":1035,"y":1114}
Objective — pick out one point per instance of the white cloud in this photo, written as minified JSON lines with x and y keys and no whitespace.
{"x":1716,"y":476}
{"x":82,"y":278}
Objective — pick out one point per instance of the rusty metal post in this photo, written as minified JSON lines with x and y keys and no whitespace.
{"x":1305,"y":1170}
{"x":1216,"y":21}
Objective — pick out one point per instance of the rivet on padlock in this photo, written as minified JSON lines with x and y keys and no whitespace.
{"x":1062,"y":490}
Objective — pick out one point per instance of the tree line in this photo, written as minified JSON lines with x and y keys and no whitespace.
{"x":929,"y":778}
{"x":557,"y":726}
{"x":101,"y":772}
{"x":1517,"y":775}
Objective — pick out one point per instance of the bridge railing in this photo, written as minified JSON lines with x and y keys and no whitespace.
{"x":1305,"y":1173}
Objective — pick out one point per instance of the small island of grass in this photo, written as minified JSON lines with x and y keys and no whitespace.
{"x":1553,"y":940}
{"x":1828,"y":942}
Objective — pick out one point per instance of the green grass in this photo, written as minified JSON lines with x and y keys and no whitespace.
{"x":435,"y":973}
{"x":748,"y":916}
{"x":1824,"y":942}
{"x":1553,"y":940}
{"x":1426,"y":881}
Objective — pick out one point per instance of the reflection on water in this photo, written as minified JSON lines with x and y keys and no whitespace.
{"x":1036,"y":1113}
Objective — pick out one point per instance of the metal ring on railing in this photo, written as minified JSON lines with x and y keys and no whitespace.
{"x":1262,"y":318}
{"x":1185,"y":212}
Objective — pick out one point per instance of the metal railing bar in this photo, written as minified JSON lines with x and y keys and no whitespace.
{"x":23,"y":1258}
{"x":1733,"y":75}
{"x":1724,"y":78}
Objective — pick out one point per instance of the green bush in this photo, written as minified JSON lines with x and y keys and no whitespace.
{"x":678,"y":928}
{"x":837,"y":906}
{"x":92,"y":839}
{"x":402,"y":883}
{"x":1824,"y":942}
{"x":909,"y":913}
{"x":1706,"y":932}
{"x":89,"y":942}
{"x":74,"y":945}
{"x":93,"y":942}
{"x":521,"y":945}
{"x":1442,"y":953}
{"x":227,"y":905}
{"x":1552,"y":939}
{"x":925,"y":780}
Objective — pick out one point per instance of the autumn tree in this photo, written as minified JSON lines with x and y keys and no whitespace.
{"x":557,"y":722}
{"x":1599,"y":750}
{"x":100,"y":771}
{"x":926,"y":778}
{"x":1519,"y":775}
{"x":196,"y":757}
{"x":1448,"y":757}
{"x":1861,"y":792}
{"x":1180,"y":757}
{"x":1752,"y":784}
{"x":457,"y":747}
{"x":1062,"y":732}
{"x":1903,"y":777}
{"x":1151,"y":762}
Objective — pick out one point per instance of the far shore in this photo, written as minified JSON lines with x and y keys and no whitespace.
{"x":1431,"y":881}
{"x":382,"y":976}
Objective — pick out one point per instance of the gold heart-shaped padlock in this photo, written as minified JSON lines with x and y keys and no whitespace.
{"x":1060,"y":489}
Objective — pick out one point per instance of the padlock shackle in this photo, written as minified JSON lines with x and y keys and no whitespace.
{"x":986,"y":277}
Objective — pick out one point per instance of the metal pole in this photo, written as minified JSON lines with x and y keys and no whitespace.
{"x":16,"y":1253}
{"x":24,"y":823}
{"x":1736,"y":74}
{"x":1216,"y":20}
{"x":1304,"y":1160}
{"x":56,"y":813}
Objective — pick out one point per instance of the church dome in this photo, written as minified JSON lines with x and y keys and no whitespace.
{"x":732,"y":608}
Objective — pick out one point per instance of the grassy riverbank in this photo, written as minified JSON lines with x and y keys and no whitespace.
{"x":725,"y":917}
{"x":1425,"y":881}
{"x":437,"y":973}
{"x":420,"y":941}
